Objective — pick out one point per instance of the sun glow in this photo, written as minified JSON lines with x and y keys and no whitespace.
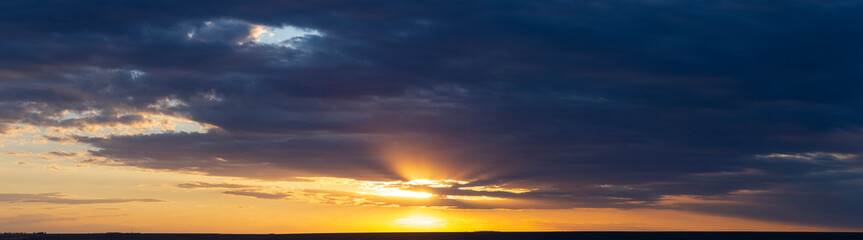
{"x":400,"y":193}
{"x":474,"y":198}
{"x":415,"y":162}
{"x":445,"y":183}
{"x":420,"y":221}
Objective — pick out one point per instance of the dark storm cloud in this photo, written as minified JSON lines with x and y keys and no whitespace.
{"x":822,"y":202}
{"x":598,"y":104}
{"x":226,"y":154}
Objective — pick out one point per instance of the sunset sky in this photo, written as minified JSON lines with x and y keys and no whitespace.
{"x":378,"y":116}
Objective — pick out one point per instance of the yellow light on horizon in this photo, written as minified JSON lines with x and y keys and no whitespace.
{"x":420,"y":221}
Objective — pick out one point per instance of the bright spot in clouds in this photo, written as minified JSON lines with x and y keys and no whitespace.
{"x":277,"y":35}
{"x":389,"y":192}
{"x":435,"y":183}
{"x":474,"y":198}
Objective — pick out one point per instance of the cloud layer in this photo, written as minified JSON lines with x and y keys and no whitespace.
{"x":596,"y":104}
{"x":59,"y":198}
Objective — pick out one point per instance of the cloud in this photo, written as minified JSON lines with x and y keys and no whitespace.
{"x":230,"y":155}
{"x":54,"y":167}
{"x":614,"y":104}
{"x":210,"y":185}
{"x":259,"y":194}
{"x":781,"y":204}
{"x":812,"y":157}
{"x":60,"y":139}
{"x":23,"y":220}
{"x":63,"y":154}
{"x":59,"y":198}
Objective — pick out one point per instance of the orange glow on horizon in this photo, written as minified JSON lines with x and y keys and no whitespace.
{"x":316,"y":204}
{"x":420,"y":222}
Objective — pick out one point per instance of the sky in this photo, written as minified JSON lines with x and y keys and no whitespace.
{"x":378,"y":116}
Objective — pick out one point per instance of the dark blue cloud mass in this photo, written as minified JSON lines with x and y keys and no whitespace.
{"x":597,"y":103}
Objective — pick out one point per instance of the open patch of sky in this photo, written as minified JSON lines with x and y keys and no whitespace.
{"x":277,"y":35}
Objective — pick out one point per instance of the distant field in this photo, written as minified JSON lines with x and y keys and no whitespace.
{"x":448,"y":236}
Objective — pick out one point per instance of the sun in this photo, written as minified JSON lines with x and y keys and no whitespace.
{"x":420,"y":221}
